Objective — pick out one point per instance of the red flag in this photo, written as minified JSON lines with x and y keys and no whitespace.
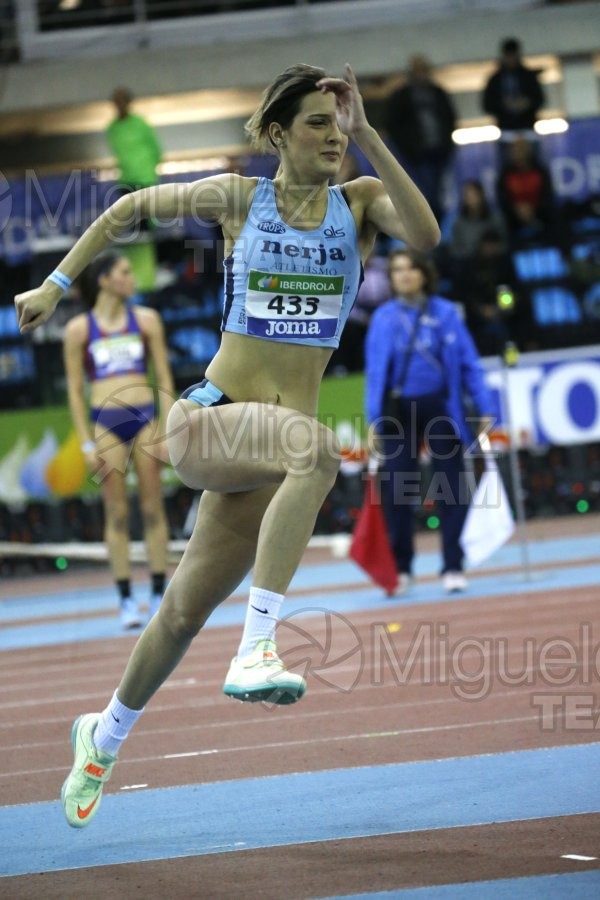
{"x":370,"y":546}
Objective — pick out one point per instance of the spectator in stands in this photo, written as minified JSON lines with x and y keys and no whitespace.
{"x":375,"y":289}
{"x":421,"y":361}
{"x":9,"y":46}
{"x":474,"y":219}
{"x":489,"y":274}
{"x":134,"y":144}
{"x":525,"y":195}
{"x":111,"y":347}
{"x":513,"y":94}
{"x":419,"y":117}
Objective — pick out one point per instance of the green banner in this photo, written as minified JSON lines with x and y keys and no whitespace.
{"x":33,"y":424}
{"x":294,"y":284}
{"x":342,"y":400}
{"x":40,"y":456}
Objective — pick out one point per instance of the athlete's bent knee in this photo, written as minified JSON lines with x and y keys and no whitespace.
{"x":151,"y":516}
{"x":328,"y":455}
{"x":118,"y":522}
{"x":310,"y":449}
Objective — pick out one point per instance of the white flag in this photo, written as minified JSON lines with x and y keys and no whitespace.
{"x":489,"y":522}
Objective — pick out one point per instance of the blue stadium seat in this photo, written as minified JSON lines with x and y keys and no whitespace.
{"x":16,"y":365}
{"x":587,"y":251}
{"x":195,"y":345}
{"x":539,"y":264}
{"x":587,"y":225}
{"x":555,"y":305}
{"x":591,"y":302}
{"x":8,"y":322}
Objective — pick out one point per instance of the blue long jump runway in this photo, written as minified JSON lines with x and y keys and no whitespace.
{"x":577,"y":885}
{"x":37,"y":635}
{"x":304,"y":808}
{"x":308,"y":578}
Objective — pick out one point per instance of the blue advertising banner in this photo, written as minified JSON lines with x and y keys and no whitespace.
{"x":34,"y":210}
{"x":551,"y":397}
{"x":33,"y":207}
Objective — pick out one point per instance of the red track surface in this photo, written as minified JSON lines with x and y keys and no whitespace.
{"x":360,"y":712}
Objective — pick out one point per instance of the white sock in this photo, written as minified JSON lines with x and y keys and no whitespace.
{"x":114,"y":725}
{"x":262,"y":616}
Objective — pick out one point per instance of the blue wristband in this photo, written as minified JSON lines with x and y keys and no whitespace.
{"x":61,"y":280}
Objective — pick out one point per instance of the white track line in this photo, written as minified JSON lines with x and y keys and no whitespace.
{"x":507,"y":603}
{"x":287,"y":745}
{"x":467,"y":627}
{"x":239,"y":723}
{"x":198,"y":684}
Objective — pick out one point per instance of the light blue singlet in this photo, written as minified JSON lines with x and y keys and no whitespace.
{"x":298,"y":287}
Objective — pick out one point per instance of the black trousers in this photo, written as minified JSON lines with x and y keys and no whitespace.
{"x":418,"y":421}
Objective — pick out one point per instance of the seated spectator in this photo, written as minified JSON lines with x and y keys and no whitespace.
{"x":489,"y":271}
{"x":375,"y":289}
{"x":474,"y":219}
{"x":525,"y":196}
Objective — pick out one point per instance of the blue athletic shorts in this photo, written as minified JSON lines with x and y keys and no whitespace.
{"x":125,"y":421}
{"x":205,"y":393}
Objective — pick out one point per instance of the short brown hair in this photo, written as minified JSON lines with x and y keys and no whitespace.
{"x":280,"y":103}
{"x":420,"y":262}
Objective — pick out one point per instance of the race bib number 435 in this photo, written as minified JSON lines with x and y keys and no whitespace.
{"x":289,"y":305}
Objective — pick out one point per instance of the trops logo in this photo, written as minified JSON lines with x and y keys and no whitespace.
{"x":271,"y":227}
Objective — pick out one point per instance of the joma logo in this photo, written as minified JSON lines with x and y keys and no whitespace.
{"x":301,"y":328}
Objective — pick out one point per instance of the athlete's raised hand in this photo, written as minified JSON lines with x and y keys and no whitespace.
{"x":350,"y":109}
{"x":36,"y":306}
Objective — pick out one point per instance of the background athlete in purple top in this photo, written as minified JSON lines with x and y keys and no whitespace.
{"x":110,"y":348}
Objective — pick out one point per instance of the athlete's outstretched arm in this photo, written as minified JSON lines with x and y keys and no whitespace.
{"x":209,"y":199}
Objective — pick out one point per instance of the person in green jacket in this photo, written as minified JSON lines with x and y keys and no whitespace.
{"x":134,"y":144}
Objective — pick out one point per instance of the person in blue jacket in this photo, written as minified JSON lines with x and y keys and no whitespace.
{"x":420,"y":362}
